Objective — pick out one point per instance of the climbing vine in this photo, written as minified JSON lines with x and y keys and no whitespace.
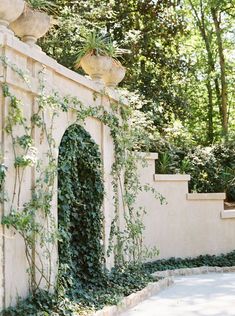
{"x":79,"y":206}
{"x":32,"y":220}
{"x":80,"y":199}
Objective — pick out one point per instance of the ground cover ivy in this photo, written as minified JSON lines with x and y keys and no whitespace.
{"x":120,"y":282}
{"x":223,"y":260}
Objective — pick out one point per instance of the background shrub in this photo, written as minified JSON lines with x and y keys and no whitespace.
{"x":212,"y":169}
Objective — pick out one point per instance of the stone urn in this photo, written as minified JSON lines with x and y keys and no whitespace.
{"x":10,"y":10}
{"x":96,"y":66}
{"x":115,"y":75}
{"x":31,"y":25}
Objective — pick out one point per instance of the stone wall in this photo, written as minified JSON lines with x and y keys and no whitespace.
{"x":13,"y":275}
{"x":188,"y":224}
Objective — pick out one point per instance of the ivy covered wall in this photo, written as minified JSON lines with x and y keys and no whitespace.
{"x":39,"y":101}
{"x":80,"y":201}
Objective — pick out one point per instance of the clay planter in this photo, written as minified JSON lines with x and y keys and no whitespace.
{"x":96,"y":66}
{"x":115,"y":75}
{"x":10,"y":10}
{"x":31,"y":25}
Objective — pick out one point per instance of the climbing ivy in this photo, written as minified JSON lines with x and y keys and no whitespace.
{"x":80,"y":199}
{"x":81,"y":272}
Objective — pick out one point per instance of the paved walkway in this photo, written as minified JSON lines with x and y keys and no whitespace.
{"x":198,"y":295}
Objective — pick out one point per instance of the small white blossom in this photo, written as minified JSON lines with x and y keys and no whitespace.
{"x":32,"y":155}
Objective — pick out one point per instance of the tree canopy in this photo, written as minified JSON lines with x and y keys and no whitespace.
{"x":181,"y":61}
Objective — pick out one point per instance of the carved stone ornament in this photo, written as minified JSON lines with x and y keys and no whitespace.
{"x":96,"y":66}
{"x":31,"y":25}
{"x":10,"y":10}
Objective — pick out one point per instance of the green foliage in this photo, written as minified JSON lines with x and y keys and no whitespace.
{"x":110,"y":290}
{"x":24,"y":223}
{"x":24,"y":141}
{"x":92,"y":43}
{"x":117,"y":284}
{"x":32,"y":220}
{"x":212,"y":169}
{"x":3,"y":171}
{"x":149,"y":29}
{"x":223,"y":260}
{"x":80,"y":198}
{"x":82,"y":279}
{"x":174,"y":62}
{"x":98,"y":44}
{"x":44,"y":5}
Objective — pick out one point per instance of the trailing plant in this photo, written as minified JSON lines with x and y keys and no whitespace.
{"x":80,"y":199}
{"x":84,"y":300}
{"x":81,"y":269}
{"x":3,"y":171}
{"x":223,"y":260}
{"x":32,"y":220}
{"x":121,"y":282}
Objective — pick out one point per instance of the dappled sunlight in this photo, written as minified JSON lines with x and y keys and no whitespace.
{"x":200,"y":295}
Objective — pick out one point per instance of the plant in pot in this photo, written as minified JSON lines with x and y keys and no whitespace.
{"x":96,"y":57}
{"x":117,"y":72}
{"x":93,"y":55}
{"x":34,"y":21}
{"x":7,"y":14}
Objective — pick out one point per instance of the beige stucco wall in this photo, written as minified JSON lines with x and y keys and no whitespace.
{"x":13,"y":264}
{"x":189,"y":224}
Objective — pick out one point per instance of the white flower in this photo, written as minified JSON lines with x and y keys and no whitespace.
{"x":32,"y":155}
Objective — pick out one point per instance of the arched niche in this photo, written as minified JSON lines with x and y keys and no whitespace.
{"x":80,"y":201}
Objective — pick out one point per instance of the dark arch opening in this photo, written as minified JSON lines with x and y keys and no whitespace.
{"x":80,"y":198}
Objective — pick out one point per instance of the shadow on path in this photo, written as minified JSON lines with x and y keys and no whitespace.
{"x":198,"y":295}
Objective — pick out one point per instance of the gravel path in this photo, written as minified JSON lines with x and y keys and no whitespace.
{"x":198,"y":295}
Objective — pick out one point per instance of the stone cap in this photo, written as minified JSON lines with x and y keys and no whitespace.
{"x":148,"y":156}
{"x":206,"y":196}
{"x":171,"y":177}
{"x":14,"y":43}
{"x":227,"y":214}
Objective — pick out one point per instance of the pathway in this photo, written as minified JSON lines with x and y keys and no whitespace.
{"x":198,"y":295}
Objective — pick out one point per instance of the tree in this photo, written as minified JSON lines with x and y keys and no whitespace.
{"x":181,"y":61}
{"x":215,"y":38}
{"x":148,"y":28}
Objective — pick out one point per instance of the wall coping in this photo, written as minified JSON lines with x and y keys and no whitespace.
{"x":148,"y":156}
{"x":227,"y":214}
{"x":205,"y":196}
{"x":171,"y":177}
{"x":36,"y":54}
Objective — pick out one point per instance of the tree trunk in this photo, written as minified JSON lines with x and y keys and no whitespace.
{"x":224,"y":86}
{"x":210,"y":134}
{"x":200,"y":20}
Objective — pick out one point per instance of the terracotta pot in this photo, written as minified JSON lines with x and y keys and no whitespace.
{"x":115,"y":75}
{"x":10,"y":10}
{"x":31,"y":25}
{"x":96,"y":66}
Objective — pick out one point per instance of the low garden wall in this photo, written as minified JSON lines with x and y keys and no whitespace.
{"x":187,"y":224}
